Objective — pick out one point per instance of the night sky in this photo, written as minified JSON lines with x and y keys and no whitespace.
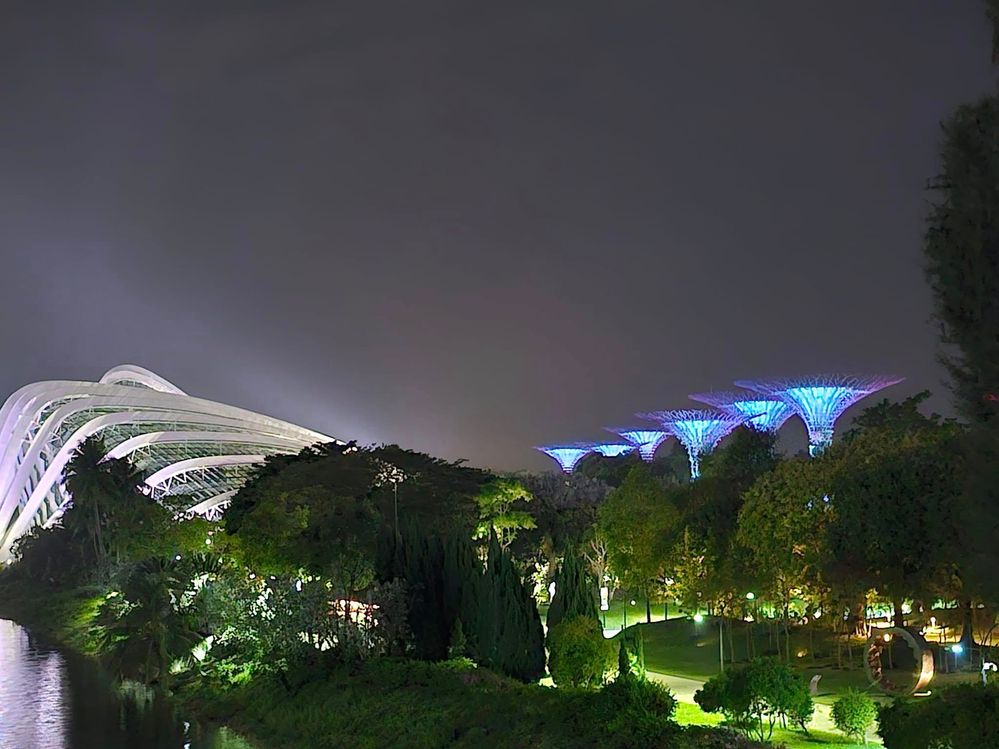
{"x":473,"y":227}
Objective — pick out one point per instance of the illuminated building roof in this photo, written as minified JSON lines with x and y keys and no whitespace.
{"x":184,"y":445}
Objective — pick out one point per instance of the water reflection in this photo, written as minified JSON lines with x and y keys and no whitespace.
{"x":51,"y":700}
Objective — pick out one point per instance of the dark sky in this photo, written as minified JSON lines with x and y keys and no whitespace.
{"x":472,"y":227}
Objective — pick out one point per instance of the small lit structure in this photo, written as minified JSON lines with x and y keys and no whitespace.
{"x":567,"y":455}
{"x":612,"y":449}
{"x":923,"y":656}
{"x":757,"y":411}
{"x":646,"y":440}
{"x":699,"y":431}
{"x":820,"y":399}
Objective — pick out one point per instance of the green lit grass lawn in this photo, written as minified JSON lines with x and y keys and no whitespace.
{"x":682,"y":647}
{"x":621,"y":612}
{"x":687,"y":714}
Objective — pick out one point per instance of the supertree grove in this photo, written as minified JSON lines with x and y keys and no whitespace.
{"x":699,"y":431}
{"x":820,"y":399}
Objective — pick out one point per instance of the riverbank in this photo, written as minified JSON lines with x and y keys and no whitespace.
{"x":376,"y":703}
{"x":52,"y":635}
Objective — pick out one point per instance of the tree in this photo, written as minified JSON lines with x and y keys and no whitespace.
{"x":579,"y":656}
{"x":147,"y":626}
{"x":893,"y":491}
{"x":962,"y":265}
{"x":108,"y":511}
{"x":429,"y":492}
{"x":637,"y":521}
{"x":854,"y":714}
{"x":508,"y":636}
{"x":92,"y":488}
{"x":756,"y":696}
{"x":573,"y":593}
{"x":502,"y":507}
{"x":783,"y":525}
{"x":962,"y":252}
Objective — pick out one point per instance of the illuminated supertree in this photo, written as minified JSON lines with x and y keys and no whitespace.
{"x":612,"y":449}
{"x":646,"y":440}
{"x":757,"y":411}
{"x":568,"y":455}
{"x":699,"y":431}
{"x":820,"y":399}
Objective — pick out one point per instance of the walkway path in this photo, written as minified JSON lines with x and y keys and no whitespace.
{"x":683,"y":689}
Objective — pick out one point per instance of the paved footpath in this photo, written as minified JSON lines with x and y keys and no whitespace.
{"x":683,"y":689}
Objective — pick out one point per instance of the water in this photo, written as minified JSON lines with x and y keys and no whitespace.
{"x":53,"y":700}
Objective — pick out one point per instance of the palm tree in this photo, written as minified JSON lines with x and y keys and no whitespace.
{"x":148,"y":629}
{"x":90,"y":484}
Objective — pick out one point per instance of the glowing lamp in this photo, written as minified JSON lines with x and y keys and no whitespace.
{"x":698,"y":618}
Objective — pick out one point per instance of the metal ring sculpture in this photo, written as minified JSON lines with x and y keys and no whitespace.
{"x":921,"y":652}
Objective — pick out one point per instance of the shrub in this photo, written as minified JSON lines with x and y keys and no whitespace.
{"x":966,"y":715}
{"x":854,"y":714}
{"x":637,"y":711}
{"x":757,"y":696}
{"x":579,"y":656}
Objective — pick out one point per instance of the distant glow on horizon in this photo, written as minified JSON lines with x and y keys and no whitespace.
{"x":821,"y":400}
{"x":646,"y":440}
{"x":567,"y":456}
{"x":699,"y":431}
{"x":613,"y":449}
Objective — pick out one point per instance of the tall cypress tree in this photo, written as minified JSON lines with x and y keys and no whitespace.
{"x":962,"y":253}
{"x":574,"y":591}
{"x":508,"y":634}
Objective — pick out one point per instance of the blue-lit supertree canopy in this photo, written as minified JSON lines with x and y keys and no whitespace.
{"x":612,"y":449}
{"x":757,"y":411}
{"x":646,"y":440}
{"x":820,"y":399}
{"x":699,"y":431}
{"x":568,"y":455}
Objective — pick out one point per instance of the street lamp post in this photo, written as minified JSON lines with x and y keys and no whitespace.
{"x":721,"y":642}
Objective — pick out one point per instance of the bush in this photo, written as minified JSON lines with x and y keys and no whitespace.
{"x":638,"y":712}
{"x":579,"y":656}
{"x":962,"y":716}
{"x":854,"y":714}
{"x":757,"y":696}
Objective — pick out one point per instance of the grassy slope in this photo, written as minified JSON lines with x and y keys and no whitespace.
{"x":688,"y":714}
{"x":683,"y":648}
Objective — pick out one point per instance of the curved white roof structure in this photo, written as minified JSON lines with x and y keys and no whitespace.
{"x":185,"y":445}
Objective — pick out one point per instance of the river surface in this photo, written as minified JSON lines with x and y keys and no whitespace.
{"x":50,"y":699}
